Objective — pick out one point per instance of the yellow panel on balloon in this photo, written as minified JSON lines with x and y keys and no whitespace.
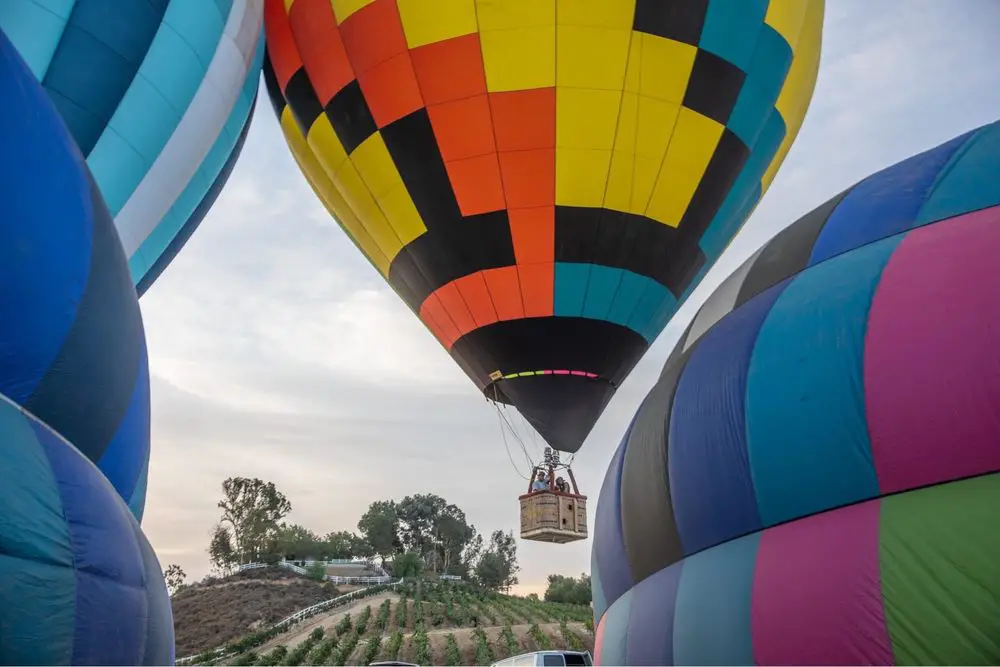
{"x":327,"y":192}
{"x":591,"y":57}
{"x":664,"y":67}
{"x":519,"y":58}
{"x":360,"y":199}
{"x":402,"y":214}
{"x":344,"y":8}
{"x":692,"y":145}
{"x":581,"y":176}
{"x":596,"y":13}
{"x":507,"y":14}
{"x":428,"y":21}
{"x":375,"y":165}
{"x":326,"y":145}
{"x":586,"y":118}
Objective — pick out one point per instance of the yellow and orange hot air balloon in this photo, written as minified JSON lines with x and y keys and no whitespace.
{"x":542,"y":181}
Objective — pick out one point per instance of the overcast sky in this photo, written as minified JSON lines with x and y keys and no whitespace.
{"x":276,"y":351}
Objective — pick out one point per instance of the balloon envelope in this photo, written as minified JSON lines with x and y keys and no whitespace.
{"x":157,"y":94}
{"x":542,"y":181}
{"x":816,"y":475}
{"x":72,"y":347}
{"x":79,"y":583}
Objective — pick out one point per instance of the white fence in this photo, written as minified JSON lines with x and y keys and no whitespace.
{"x":288,"y":565}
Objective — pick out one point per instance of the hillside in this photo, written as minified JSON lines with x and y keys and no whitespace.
{"x":217,"y":611}
{"x":429,"y":623}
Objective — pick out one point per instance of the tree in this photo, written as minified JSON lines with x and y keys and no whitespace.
{"x":221,"y":552}
{"x":316,"y":572}
{"x":497,"y":567}
{"x":174,"y":577}
{"x":379,"y":526}
{"x":569,"y":589}
{"x":252,"y":508}
{"x":452,"y":535}
{"x":408,"y":564}
{"x":296,"y":542}
{"x":418,"y":517}
{"x":343,"y":544}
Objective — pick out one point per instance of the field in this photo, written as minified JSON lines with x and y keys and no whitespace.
{"x":428,"y":623}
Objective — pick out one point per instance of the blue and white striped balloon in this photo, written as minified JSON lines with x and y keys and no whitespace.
{"x":158,"y":95}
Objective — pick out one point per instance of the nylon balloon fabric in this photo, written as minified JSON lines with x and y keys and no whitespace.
{"x":79,"y":583}
{"x":72,"y":346}
{"x":158,"y":95}
{"x":542,"y":181}
{"x":815,"y":477}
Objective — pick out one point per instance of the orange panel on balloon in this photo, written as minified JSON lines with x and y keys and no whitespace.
{"x":505,"y":289}
{"x":477,"y":297}
{"x":477,"y":185}
{"x":281,"y":46}
{"x":529,"y":177}
{"x":372,"y":35}
{"x":537,"y":288}
{"x":533,"y":231}
{"x":450,"y":70}
{"x":321,"y":48}
{"x":456,"y":307}
{"x":391,"y":89}
{"x":524,"y":119}
{"x":434,"y":314}
{"x":463,"y":127}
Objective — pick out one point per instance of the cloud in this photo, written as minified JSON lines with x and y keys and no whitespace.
{"x":277,"y":351}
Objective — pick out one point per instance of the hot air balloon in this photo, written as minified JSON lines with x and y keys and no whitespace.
{"x":72,"y":347}
{"x":79,"y":583}
{"x":816,"y":475}
{"x":158,"y":95}
{"x":542,"y":181}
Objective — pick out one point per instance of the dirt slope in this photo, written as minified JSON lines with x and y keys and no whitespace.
{"x":207,"y":616}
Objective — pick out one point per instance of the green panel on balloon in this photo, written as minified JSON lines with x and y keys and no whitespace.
{"x":940,"y":561}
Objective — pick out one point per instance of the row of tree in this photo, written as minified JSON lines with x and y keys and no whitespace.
{"x":422,"y":532}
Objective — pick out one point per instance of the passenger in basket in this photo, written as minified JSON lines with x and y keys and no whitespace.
{"x":541,"y":482}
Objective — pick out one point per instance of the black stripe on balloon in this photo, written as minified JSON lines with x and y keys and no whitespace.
{"x":649,"y":529}
{"x":450,"y":251}
{"x":84,"y":395}
{"x":562,"y":408}
{"x":679,"y":20}
{"x":414,"y":150}
{"x":713,"y":87}
{"x":350,"y":116}
{"x":302,"y":99}
{"x":273,"y":89}
{"x":627,"y":241}
{"x":788,"y":252}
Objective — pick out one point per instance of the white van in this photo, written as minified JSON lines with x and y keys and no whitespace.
{"x":548,"y":659}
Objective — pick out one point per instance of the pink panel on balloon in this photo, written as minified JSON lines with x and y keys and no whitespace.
{"x":599,"y":641}
{"x":817,"y":596}
{"x":932,"y":355}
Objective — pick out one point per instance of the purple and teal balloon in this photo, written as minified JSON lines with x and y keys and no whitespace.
{"x":815,"y":477}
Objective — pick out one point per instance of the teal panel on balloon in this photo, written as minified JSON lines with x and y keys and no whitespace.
{"x":712,"y":613}
{"x":570,"y":288}
{"x":35,"y":29}
{"x":971,"y":180}
{"x":627,"y":298}
{"x":601,"y":289}
{"x":729,"y":29}
{"x":46,"y":609}
{"x":807,"y":431}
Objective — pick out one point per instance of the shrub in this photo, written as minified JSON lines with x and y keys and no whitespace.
{"x":511,"y":645}
{"x":451,"y":653}
{"x":393,"y":645}
{"x":344,"y":626}
{"x":275,"y":656}
{"x":372,"y":649}
{"x":382,"y":619}
{"x":323,"y":651}
{"x":540,"y":637}
{"x":248,"y":658}
{"x":484,"y":654}
{"x":421,"y":650}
